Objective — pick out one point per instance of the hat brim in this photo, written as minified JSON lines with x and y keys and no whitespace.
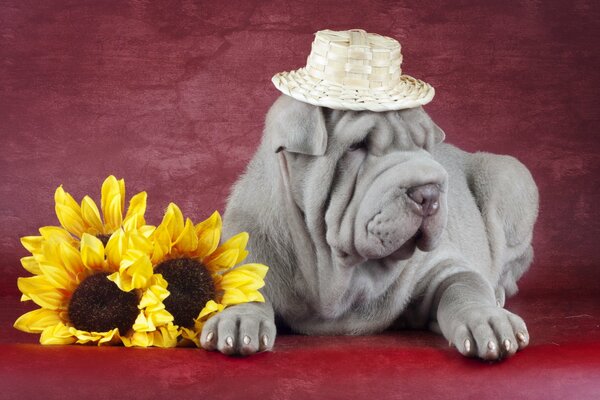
{"x":408,"y":93}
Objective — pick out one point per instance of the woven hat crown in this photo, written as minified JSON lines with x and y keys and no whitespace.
{"x":355,"y":59}
{"x":354,"y":70}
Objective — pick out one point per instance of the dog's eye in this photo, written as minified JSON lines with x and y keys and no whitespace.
{"x":359,"y":145}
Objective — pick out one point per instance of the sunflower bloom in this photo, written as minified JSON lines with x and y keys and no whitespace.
{"x":203,"y":277}
{"x":79,"y":219}
{"x":78,"y":300}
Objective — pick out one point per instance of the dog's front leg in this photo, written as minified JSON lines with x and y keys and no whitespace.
{"x":469,"y":317}
{"x":242,"y":329}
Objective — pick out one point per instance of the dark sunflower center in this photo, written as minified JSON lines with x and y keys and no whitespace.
{"x":190,"y":285}
{"x":103,"y":238}
{"x":98,"y":305}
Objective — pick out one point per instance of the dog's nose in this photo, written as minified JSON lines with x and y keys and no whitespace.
{"x":427,"y":198}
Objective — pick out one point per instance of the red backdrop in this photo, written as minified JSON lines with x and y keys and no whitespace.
{"x":171,"y":96}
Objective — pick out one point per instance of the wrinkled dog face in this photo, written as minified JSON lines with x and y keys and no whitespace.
{"x":369,"y":175}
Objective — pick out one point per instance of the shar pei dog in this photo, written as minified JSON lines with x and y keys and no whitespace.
{"x":368,"y":222}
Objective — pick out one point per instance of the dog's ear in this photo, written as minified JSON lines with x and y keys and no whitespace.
{"x":296,"y":127}
{"x":438,"y":134}
{"x":433,"y":134}
{"x":423,"y":130}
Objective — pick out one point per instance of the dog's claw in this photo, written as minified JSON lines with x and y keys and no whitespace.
{"x":246,"y":339}
{"x":492,"y":351}
{"x":265,"y":340}
{"x":467,"y":346}
{"x":507,"y":344}
{"x":521,"y":337}
{"x":210,"y":336}
{"x":229,"y":341}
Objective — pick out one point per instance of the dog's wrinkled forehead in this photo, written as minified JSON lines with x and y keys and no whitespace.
{"x":301,"y":128}
{"x":406,"y":129}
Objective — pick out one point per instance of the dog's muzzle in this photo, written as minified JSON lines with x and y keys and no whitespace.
{"x":403,"y":209}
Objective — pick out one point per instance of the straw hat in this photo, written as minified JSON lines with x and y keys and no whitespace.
{"x":354,"y":70}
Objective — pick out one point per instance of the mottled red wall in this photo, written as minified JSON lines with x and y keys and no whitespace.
{"x":171,"y":95}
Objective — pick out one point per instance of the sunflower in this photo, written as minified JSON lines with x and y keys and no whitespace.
{"x":202,"y":276}
{"x":77,"y":220}
{"x":96,"y":294}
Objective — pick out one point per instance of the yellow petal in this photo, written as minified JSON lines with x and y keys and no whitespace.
{"x":58,"y":334}
{"x":69,"y":212}
{"x":55,"y":234}
{"x":146,"y":230}
{"x":33,"y":244}
{"x":84,"y":336}
{"x":121,"y":241}
{"x":166,"y":336}
{"x":237,"y":296}
{"x":116,"y":248}
{"x":92,"y":252}
{"x":229,"y":253}
{"x":37,"y":320}
{"x":143,"y":324}
{"x":210,"y":308}
{"x":136,"y":240}
{"x":191,"y":335}
{"x":70,"y":220}
{"x":91,"y":216}
{"x":158,"y":281}
{"x":239,"y":242}
{"x":50,"y":253}
{"x":31,"y":265}
{"x":130,"y":224}
{"x":162,"y":243}
{"x":161,"y":317}
{"x":221,"y":260}
{"x":248,"y":278}
{"x":241,"y":284}
{"x":173,"y":219}
{"x":255,"y":296}
{"x":187,"y":241}
{"x":151,"y":300}
{"x":109,"y":337}
{"x":209,"y":234}
{"x":237,"y":278}
{"x":62,"y":197}
{"x":71,"y":260}
{"x":233,"y":296}
{"x":42,"y":292}
{"x":135,"y":271}
{"x":259,"y":269}
{"x":112,"y":203}
{"x":135,"y":213}
{"x":138,"y":339}
{"x":113,"y":214}
{"x":57,"y":276}
{"x":140,"y":271}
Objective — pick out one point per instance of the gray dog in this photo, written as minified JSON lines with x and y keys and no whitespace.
{"x":368,"y":221}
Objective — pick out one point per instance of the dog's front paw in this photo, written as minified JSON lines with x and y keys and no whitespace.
{"x":242,"y":329}
{"x":488,"y":332}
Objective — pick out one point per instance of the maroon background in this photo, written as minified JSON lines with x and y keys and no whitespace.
{"x":171,"y":96}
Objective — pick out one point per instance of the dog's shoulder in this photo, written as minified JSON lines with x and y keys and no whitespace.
{"x":500,"y":184}
{"x":503,"y":185}
{"x":508,"y":200}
